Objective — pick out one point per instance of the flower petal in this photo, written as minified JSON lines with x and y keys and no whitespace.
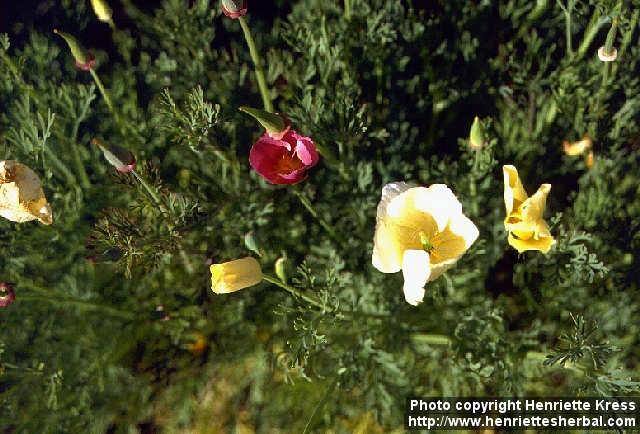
{"x":514,"y":193}
{"x":439,"y":202}
{"x":235,"y":275}
{"x":416,"y":272}
{"x":542,"y":244}
{"x":389,"y":243}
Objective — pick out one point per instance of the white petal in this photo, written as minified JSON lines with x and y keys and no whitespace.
{"x":462,"y":226}
{"x":438,"y":201}
{"x":390,"y":191}
{"x":416,"y":272}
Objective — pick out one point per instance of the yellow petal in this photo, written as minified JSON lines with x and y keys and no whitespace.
{"x":542,"y":244}
{"x":577,"y":148}
{"x":514,"y":193}
{"x":235,"y":275}
{"x":416,"y":272}
{"x":437,"y":201}
{"x":403,"y":211}
{"x":21,"y":195}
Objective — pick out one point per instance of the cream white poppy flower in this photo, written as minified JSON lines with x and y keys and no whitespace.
{"x":21,"y":195}
{"x":421,"y":231}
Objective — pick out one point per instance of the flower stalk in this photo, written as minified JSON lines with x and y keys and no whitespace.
{"x":257,"y":61}
{"x":103,"y":92}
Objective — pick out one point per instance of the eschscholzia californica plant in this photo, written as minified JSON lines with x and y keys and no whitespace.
{"x":524,"y":221}
{"x":21,"y":196}
{"x":421,"y":231}
{"x":235,"y":275}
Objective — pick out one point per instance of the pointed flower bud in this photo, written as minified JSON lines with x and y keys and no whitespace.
{"x":277,"y":125}
{"x":251,"y":243}
{"x":7,"y":294}
{"x":235,"y":275}
{"x":120,"y":158}
{"x":102,"y":10}
{"x":477,"y":136}
{"x":234,"y":8}
{"x":280,"y":268}
{"x":84,"y":59}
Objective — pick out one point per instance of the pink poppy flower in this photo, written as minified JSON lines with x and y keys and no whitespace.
{"x":234,"y":8}
{"x":7,"y":294}
{"x":283,"y":161}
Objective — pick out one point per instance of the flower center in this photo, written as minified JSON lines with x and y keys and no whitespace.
{"x":288,"y":163}
{"x":426,"y":244}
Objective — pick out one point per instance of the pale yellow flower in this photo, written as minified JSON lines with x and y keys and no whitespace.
{"x":422,"y":232}
{"x":21,"y":195}
{"x":235,"y":275}
{"x":577,"y":148}
{"x":524,"y":221}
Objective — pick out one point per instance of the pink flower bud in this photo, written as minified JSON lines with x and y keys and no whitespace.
{"x":234,"y":8}
{"x":7,"y":294}
{"x":120,"y":158}
{"x":285,"y":160}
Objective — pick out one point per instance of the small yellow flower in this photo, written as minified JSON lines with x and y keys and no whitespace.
{"x":577,"y":148}
{"x":21,"y":195}
{"x":589,"y":160}
{"x":422,"y":232}
{"x":235,"y":275}
{"x":524,"y":221}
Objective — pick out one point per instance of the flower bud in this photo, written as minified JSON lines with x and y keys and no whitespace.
{"x":277,"y":125}
{"x":7,"y":294}
{"x":609,"y":56}
{"x":280,"y":268}
{"x":120,"y":158}
{"x":476,"y":135}
{"x":84,"y":59}
{"x":234,"y":8}
{"x":102,"y":10}
{"x":251,"y":243}
{"x":235,"y":275}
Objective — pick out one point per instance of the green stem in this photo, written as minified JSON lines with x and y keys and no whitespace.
{"x":307,"y":204}
{"x":347,"y":9}
{"x":77,"y":159}
{"x":340,"y":314}
{"x":152,"y":191}
{"x":257,"y":61}
{"x":594,"y":26}
{"x":567,"y":24}
{"x":103,"y":91}
{"x":294,"y":291}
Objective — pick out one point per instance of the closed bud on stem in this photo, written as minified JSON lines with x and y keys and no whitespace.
{"x":477,"y":136}
{"x":102,"y":10}
{"x":120,"y":158}
{"x":251,"y":243}
{"x":7,"y":294}
{"x":234,"y":8}
{"x":84,"y":59}
{"x":276,"y":124}
{"x":281,"y":268}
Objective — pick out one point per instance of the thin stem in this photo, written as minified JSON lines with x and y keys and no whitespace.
{"x":152,"y":191}
{"x":307,"y":204}
{"x":257,"y":61}
{"x":323,"y":401}
{"x":77,"y":159}
{"x":294,"y":291}
{"x":347,"y":9}
{"x":103,"y":91}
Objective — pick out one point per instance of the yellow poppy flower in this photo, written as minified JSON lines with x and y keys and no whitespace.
{"x":235,"y":275}
{"x":21,"y":195}
{"x":422,"y":232}
{"x":524,"y":221}
{"x":102,"y":10}
{"x":577,"y":148}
